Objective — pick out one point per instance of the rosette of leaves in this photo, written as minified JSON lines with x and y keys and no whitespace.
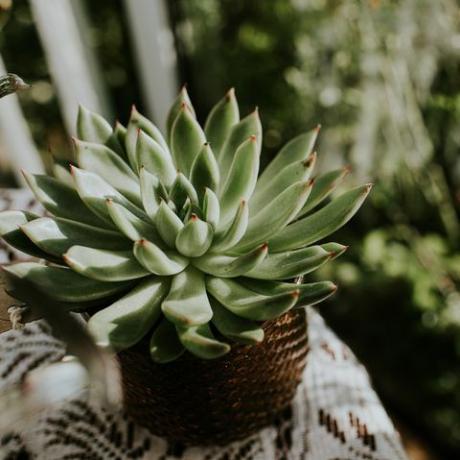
{"x":177,"y":237}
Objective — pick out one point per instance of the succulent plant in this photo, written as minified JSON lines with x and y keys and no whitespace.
{"x":179,"y":237}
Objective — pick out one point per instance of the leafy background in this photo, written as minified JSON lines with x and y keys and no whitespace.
{"x":381,"y":76}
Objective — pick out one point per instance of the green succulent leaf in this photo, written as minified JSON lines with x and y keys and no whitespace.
{"x":297,"y":149}
{"x":322,"y":223}
{"x":205,"y":171}
{"x":223,"y":116}
{"x":290,"y":264}
{"x":246,"y":128}
{"x":95,"y":191}
{"x":275,"y":216}
{"x":60,"y":199}
{"x":181,"y":190}
{"x":62,"y":174}
{"x":187,"y":303}
{"x":295,"y":172}
{"x":211,"y":208}
{"x":334,"y":249}
{"x":165,"y":345}
{"x":234,"y":327}
{"x":91,"y":127}
{"x":155,"y":159}
{"x":195,"y":238}
{"x":324,"y":186}
{"x":168,"y":224}
{"x":129,"y":319}
{"x":102,"y":161}
{"x":120,"y":133}
{"x":228,"y":237}
{"x":200,"y":341}
{"x":10,"y":223}
{"x":63,"y":284}
{"x":158,"y":261}
{"x":151,"y":192}
{"x":249,"y":304}
{"x":103,"y":265}
{"x":309,"y":293}
{"x":182,"y":98}
{"x":231,"y":267}
{"x":55,"y":235}
{"x":129,"y":224}
{"x":136,"y":123}
{"x":187,"y":138}
{"x":242,"y":179}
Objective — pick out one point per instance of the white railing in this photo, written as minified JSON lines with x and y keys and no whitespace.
{"x":76,"y":74}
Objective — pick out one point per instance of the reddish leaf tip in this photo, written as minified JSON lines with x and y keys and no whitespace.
{"x":230,"y":94}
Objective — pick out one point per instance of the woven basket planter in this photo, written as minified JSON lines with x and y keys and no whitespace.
{"x":200,"y":402}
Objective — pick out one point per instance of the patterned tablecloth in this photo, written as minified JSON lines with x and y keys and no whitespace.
{"x":336,"y":414}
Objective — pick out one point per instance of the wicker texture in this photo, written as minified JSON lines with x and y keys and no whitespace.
{"x":200,"y":402}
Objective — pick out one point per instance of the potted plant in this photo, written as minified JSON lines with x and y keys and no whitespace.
{"x":189,"y":263}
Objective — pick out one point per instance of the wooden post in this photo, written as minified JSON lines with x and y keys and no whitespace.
{"x":155,"y":55}
{"x":76,"y":79}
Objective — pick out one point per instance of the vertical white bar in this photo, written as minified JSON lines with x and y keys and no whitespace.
{"x":66,"y":54}
{"x":15,"y":138}
{"x":155,"y":55}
